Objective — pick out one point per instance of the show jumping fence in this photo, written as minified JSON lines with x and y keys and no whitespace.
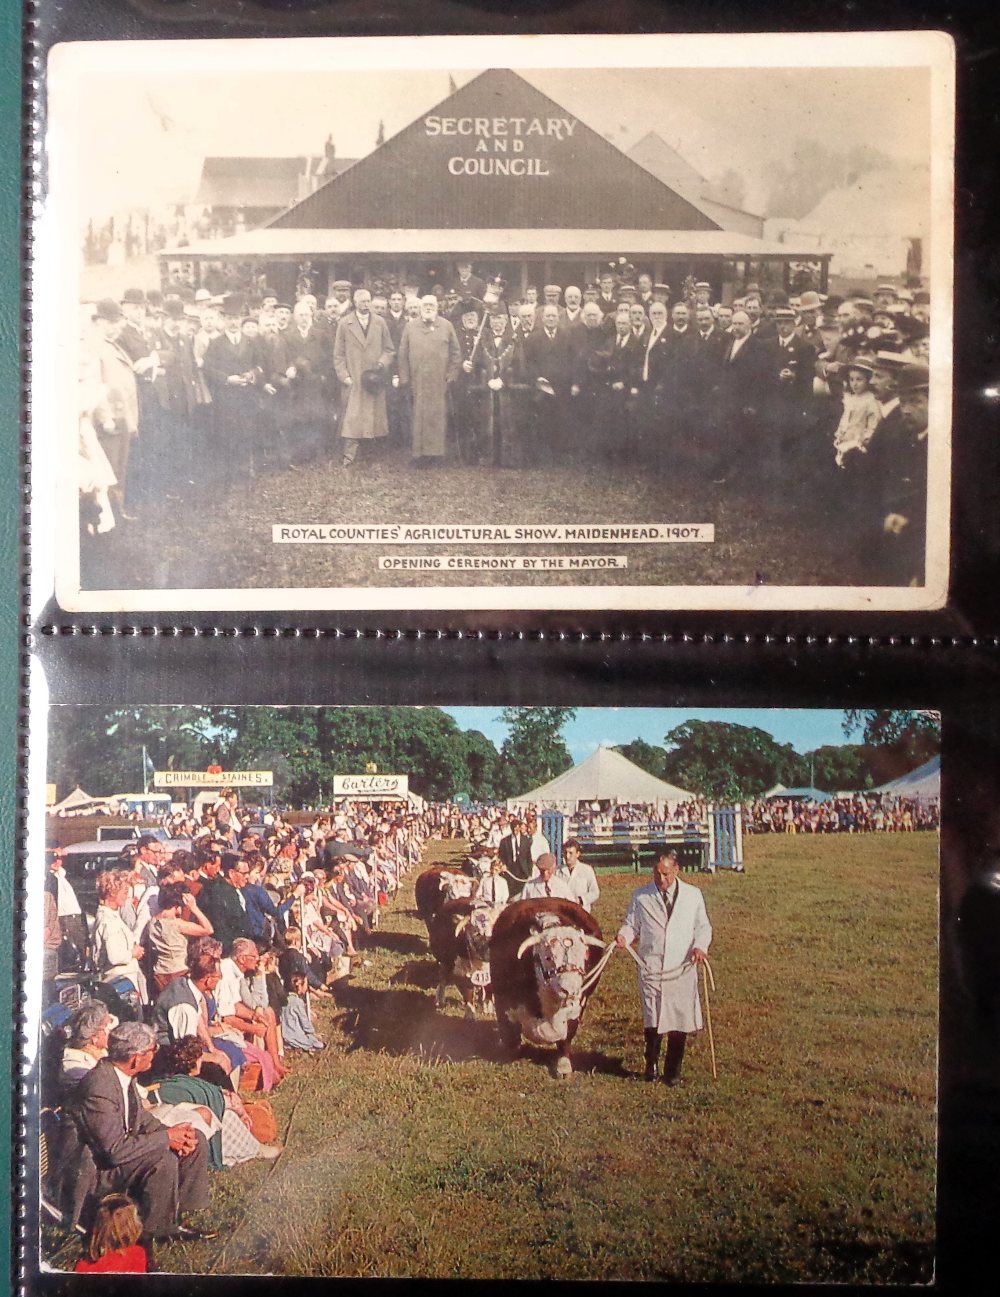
{"x":702,"y":846}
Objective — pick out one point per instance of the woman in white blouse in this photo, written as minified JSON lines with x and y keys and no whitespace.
{"x":115,"y":951}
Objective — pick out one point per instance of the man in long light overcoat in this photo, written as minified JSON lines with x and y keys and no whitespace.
{"x":363,"y":343}
{"x":669,"y":921}
{"x":430,"y":358}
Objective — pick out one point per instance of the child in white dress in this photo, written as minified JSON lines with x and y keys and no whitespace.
{"x":861,"y":412}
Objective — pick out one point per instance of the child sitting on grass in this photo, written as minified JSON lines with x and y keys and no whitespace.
{"x":114,"y":1244}
{"x":296,"y":1024}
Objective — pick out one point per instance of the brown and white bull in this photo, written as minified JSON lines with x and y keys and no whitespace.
{"x":460,"y":942}
{"x":544,"y":956}
{"x":437,"y":885}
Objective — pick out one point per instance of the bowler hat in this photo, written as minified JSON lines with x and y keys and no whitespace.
{"x":810,"y":301}
{"x":914,"y":377}
{"x":134,"y":297}
{"x":108,"y":309}
{"x":373,"y":380}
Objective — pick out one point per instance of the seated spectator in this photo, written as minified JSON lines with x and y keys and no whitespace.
{"x":164,"y":1170}
{"x":113,"y":1245}
{"x":182,"y":1009}
{"x":245,"y":1009}
{"x":177,"y":1067}
{"x":292,"y":960}
{"x":296,"y":1024}
{"x":87,"y":1040}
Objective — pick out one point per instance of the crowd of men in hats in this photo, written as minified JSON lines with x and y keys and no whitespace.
{"x":823,"y":396}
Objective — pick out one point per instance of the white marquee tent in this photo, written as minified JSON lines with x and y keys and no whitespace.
{"x":605,"y":776}
{"x":924,"y":783}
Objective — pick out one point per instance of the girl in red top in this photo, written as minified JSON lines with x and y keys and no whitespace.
{"x":114,"y":1239}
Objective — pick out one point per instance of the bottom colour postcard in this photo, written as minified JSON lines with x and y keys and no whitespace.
{"x":480,"y":992}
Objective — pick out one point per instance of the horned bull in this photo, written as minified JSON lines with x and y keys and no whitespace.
{"x":460,"y":942}
{"x":437,"y":885}
{"x":545,"y":962}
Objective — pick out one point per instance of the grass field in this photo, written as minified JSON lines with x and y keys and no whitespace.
{"x":781,"y":541}
{"x":412,"y":1151}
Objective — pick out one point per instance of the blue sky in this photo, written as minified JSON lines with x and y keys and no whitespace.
{"x":803,"y":729}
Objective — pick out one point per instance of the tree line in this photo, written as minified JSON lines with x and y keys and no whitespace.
{"x":101,"y":749}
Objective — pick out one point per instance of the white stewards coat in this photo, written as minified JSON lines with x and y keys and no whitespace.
{"x":670,"y":999}
{"x":582,"y":883}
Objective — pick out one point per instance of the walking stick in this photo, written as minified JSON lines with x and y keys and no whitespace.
{"x":302,"y":926}
{"x":706,"y":977}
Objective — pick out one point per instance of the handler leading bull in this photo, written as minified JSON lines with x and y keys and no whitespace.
{"x":669,"y":920}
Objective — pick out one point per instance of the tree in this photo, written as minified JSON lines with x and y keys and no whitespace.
{"x":645,"y":755}
{"x":100,"y":748}
{"x":727,"y":762}
{"x":847,"y":766}
{"x":812,"y":171}
{"x":482,"y":762}
{"x":900,"y":740}
{"x":729,"y":187}
{"x":534,"y":750}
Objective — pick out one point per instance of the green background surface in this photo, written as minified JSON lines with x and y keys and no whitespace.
{"x":10,"y":301}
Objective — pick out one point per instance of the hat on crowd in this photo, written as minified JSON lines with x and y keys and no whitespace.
{"x":921,"y":297}
{"x":810,"y":301}
{"x":341,"y":283}
{"x":913,"y":377}
{"x":204,"y":298}
{"x":470,"y":307}
{"x":108,"y":309}
{"x":134,"y":297}
{"x":373,"y":380}
{"x":591,"y":288}
{"x":703,"y":283}
{"x":154,"y":298}
{"x":249,"y":319}
{"x":784,"y":313}
{"x":777,"y":298}
{"x":282,"y":306}
{"x":862,"y":361}
{"x":890,"y":360}
{"x":173,"y":308}
{"x":191,"y":313}
{"x":864,"y":301}
{"x":752,"y":287}
{"x":232,"y":305}
{"x":662,"y":288}
{"x":886,"y":288}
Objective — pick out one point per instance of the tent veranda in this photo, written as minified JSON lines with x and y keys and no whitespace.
{"x":604,"y":776}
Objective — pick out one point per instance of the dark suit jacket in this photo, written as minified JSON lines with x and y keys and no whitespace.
{"x":473,"y":287}
{"x":550,"y":358}
{"x":742,"y":381}
{"x":221,"y":906}
{"x":625,"y":363}
{"x":799,"y":356}
{"x":115,"y":1137}
{"x":518,"y":863}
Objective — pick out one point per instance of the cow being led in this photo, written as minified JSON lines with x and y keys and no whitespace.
{"x":437,"y":885}
{"x":544,"y":954}
{"x":460,"y":942}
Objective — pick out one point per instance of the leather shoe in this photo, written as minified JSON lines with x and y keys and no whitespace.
{"x":650,"y":1072}
{"x":671,"y":1080}
{"x":188,"y":1234}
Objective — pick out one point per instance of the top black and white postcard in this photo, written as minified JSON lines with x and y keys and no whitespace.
{"x":657,"y":322}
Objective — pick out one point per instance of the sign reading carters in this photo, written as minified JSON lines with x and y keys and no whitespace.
{"x":502,"y":139}
{"x":371,"y":786}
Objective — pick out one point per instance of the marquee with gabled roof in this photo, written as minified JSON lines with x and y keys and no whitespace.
{"x":547,"y":169}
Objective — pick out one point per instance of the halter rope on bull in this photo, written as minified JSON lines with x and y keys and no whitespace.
{"x":670,"y":975}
